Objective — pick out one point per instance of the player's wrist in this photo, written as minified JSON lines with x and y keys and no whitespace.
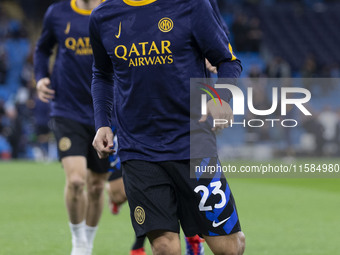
{"x":41,"y":77}
{"x":104,"y":128}
{"x":100,"y":125}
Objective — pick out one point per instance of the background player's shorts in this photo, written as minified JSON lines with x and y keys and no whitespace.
{"x":161,"y":193}
{"x":115,"y":167}
{"x":114,"y":159}
{"x":115,"y":175}
{"x":42,"y":130}
{"x":75,"y":139}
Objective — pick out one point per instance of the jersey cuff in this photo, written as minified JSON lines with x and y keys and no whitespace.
{"x":102,"y":120}
{"x":39,"y":76}
{"x":228,"y":73}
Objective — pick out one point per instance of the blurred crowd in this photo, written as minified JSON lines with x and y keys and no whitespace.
{"x":316,"y":135}
{"x":24,"y":130}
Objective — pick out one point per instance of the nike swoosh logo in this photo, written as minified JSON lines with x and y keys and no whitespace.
{"x":215,"y":225}
{"x":120,"y":29}
{"x":67,"y":29}
{"x":114,"y":163}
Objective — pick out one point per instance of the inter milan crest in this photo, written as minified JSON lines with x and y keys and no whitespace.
{"x":65,"y":144}
{"x":139,"y":215}
{"x":165,"y":25}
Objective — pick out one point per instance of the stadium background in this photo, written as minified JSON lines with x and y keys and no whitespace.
{"x":274,"y":39}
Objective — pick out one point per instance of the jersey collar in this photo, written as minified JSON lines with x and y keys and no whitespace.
{"x":80,"y":11}
{"x":138,"y":3}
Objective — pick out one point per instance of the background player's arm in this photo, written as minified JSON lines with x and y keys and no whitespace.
{"x":210,"y":67}
{"x":214,"y":44}
{"x":42,"y":54}
{"x":214,"y":5}
{"x":102,"y":92}
{"x":213,"y":41}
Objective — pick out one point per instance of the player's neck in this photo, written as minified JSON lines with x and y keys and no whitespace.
{"x":87,"y":4}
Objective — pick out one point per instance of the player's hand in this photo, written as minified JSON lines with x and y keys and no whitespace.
{"x":45,"y":94}
{"x":103,"y":142}
{"x":210,"y":67}
{"x":218,"y":111}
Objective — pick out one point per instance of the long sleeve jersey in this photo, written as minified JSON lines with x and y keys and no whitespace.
{"x":66,"y":25}
{"x":145,"y":53}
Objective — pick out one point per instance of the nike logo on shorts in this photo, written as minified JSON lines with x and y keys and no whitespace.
{"x":215,"y":225}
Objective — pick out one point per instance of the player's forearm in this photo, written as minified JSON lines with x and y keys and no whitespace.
{"x":229,"y":71}
{"x":43,"y":51}
{"x":102,"y":94}
{"x":41,"y":63}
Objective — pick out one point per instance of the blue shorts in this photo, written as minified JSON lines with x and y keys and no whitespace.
{"x":115,"y":163}
{"x":162,"y":196}
{"x":115,"y":168}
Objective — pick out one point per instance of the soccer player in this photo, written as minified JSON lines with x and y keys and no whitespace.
{"x":68,"y":90}
{"x":194,"y":244}
{"x":145,"y":53}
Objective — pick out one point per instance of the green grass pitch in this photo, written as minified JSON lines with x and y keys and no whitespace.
{"x":278,"y":216}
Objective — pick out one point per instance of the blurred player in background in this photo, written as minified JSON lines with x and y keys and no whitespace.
{"x":66,"y":24}
{"x":68,"y":91}
{"x":143,"y":72}
{"x":194,"y":245}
